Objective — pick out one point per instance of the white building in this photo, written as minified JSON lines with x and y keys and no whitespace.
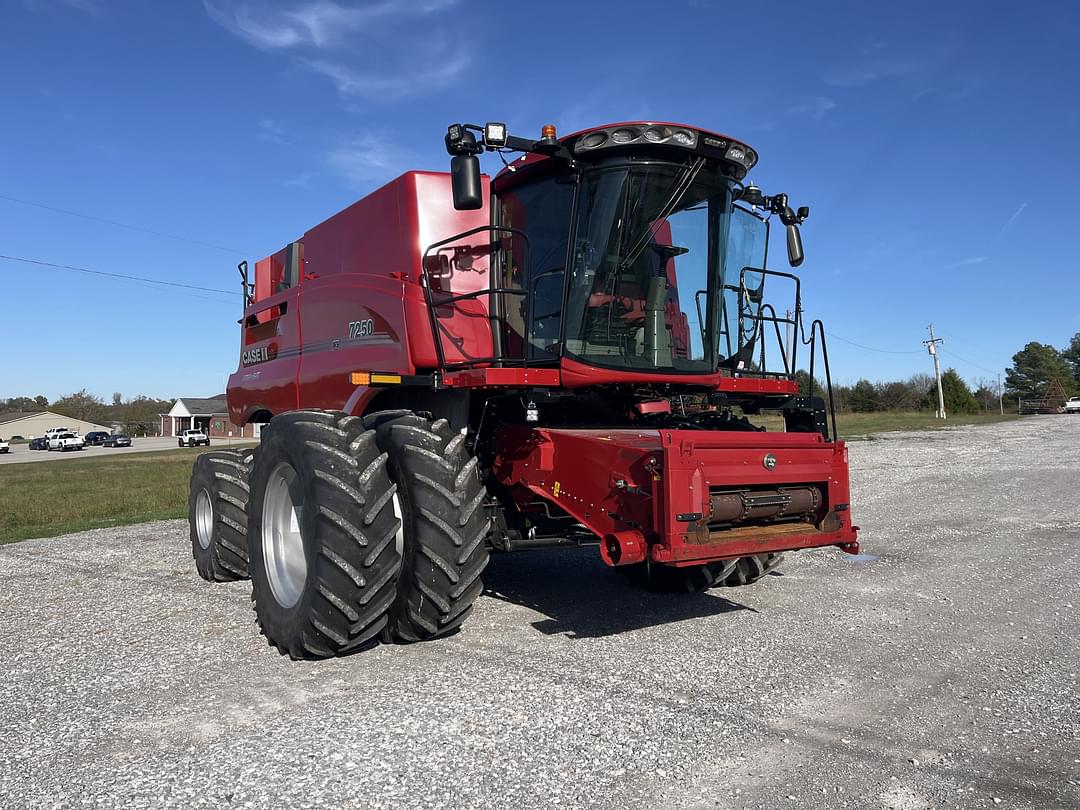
{"x":31,"y":424}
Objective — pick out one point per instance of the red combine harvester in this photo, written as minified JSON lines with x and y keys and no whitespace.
{"x":570,"y":353}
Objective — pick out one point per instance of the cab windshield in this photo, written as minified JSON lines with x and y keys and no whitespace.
{"x":656,"y":255}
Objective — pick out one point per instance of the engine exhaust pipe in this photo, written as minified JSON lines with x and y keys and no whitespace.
{"x":623,"y":548}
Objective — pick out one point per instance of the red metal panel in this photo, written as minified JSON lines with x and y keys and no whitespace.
{"x":501,"y":377}
{"x":620,"y":480}
{"x":578,"y":375}
{"x":269,"y":359}
{"x":351,"y":322}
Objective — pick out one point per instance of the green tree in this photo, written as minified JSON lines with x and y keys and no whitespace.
{"x":81,"y":405}
{"x":958,"y":397}
{"x":864,"y":397}
{"x":1072,"y":357}
{"x":802,"y":377}
{"x":1033,"y":368}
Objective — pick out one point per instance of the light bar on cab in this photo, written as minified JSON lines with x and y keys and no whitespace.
{"x":666,"y":135}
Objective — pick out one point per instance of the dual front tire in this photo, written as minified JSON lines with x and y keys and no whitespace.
{"x":359,"y":530}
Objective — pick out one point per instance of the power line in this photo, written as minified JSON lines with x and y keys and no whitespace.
{"x":125,"y":225}
{"x":870,"y":348}
{"x":123,"y":276}
{"x":970,"y":362}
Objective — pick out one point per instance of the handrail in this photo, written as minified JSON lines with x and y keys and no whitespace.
{"x":498,"y":358}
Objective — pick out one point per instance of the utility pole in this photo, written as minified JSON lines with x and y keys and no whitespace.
{"x":931,"y":346}
{"x":1001,"y":394}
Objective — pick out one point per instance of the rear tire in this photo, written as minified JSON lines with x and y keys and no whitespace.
{"x":444,"y":524}
{"x":217,"y":514}
{"x":749,"y":570}
{"x":668,"y":579}
{"x":321,"y":534}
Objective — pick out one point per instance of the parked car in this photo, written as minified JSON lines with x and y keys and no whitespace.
{"x":4,"y":447}
{"x":66,"y":441}
{"x":118,"y":440}
{"x":40,"y":443}
{"x":193,"y":438}
{"x":1072,"y":405}
{"x":95,"y":437}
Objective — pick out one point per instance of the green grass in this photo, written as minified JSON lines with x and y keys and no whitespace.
{"x":47,"y":498}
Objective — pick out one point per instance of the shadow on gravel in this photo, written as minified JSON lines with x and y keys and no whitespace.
{"x":583,"y":598}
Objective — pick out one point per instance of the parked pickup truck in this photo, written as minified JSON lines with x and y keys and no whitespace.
{"x":193,"y":438}
{"x":1072,"y":405}
{"x":66,"y":441}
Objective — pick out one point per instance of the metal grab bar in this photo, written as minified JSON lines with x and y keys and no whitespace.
{"x":498,"y":357}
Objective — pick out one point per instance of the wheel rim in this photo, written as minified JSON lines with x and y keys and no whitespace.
{"x":399,"y":538}
{"x":204,"y":518}
{"x":282,"y":542}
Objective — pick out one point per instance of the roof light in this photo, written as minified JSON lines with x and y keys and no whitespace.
{"x":625,"y":134}
{"x":547,"y":132}
{"x":684,"y":137}
{"x":593,"y":140}
{"x":495,"y":134}
{"x":657,"y":134}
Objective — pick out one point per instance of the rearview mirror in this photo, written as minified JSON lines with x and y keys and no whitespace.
{"x":794,"y":245}
{"x":465,"y":181}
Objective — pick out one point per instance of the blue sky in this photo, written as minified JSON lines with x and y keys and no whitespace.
{"x":936,"y":144}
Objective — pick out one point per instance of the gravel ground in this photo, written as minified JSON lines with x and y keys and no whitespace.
{"x":938,"y":669}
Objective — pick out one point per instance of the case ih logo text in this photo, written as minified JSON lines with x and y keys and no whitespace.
{"x":259,"y":355}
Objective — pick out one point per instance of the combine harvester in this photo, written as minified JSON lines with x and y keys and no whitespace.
{"x":570,"y":353}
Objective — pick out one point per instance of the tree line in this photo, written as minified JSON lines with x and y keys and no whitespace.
{"x":1033,"y":369}
{"x":138,"y":414}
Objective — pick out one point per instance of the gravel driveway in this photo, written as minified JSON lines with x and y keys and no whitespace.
{"x":938,"y":669}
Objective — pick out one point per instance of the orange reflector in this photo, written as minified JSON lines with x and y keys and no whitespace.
{"x":386,"y":379}
{"x":547,"y":131}
{"x":360,"y":378}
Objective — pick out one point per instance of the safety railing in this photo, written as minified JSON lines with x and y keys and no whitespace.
{"x":442,"y":305}
{"x":764,"y":316}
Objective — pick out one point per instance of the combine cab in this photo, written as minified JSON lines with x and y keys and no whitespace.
{"x":572,"y":353}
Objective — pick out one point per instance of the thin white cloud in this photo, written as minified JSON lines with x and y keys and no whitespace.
{"x":815,"y":108}
{"x":89,"y":6}
{"x":349,"y":44}
{"x":351,"y":81}
{"x":318,"y":23}
{"x":966,"y":262}
{"x":272,"y":131}
{"x":1008,"y":223}
{"x":369,"y":159}
{"x":872,"y":69}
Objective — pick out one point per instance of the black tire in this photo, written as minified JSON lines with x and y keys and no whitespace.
{"x":445,"y":526}
{"x":749,"y":570}
{"x":668,"y":579}
{"x":348,"y":531}
{"x":219,"y":541}
{"x":179,"y":442}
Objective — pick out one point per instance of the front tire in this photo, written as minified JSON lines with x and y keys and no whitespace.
{"x":217,"y":514}
{"x":321,"y":534}
{"x":445,"y":526}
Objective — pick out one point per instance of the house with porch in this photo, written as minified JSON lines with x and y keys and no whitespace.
{"x":211,"y":414}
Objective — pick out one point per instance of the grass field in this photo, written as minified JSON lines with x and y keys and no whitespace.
{"x":43,"y":499}
{"x":47,"y":499}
